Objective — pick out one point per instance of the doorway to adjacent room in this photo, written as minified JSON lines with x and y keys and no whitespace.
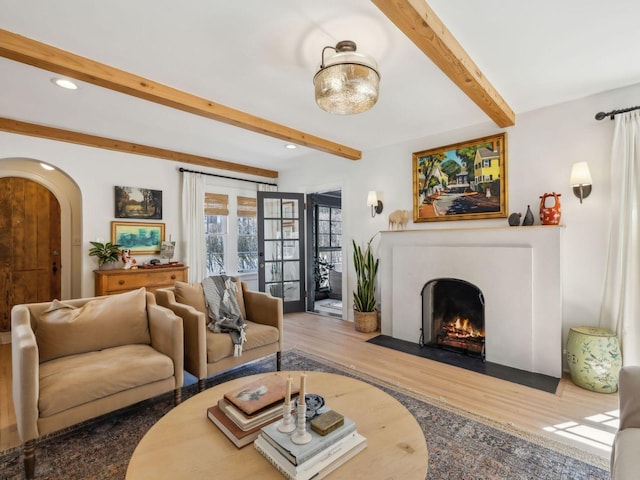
{"x":324,"y":253}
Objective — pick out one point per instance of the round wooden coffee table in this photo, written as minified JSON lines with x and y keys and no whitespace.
{"x":186,"y":444}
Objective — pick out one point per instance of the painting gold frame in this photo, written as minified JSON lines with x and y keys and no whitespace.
{"x":463,"y":181}
{"x":139,"y":237}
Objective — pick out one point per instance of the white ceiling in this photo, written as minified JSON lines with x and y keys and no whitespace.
{"x":260,"y":56}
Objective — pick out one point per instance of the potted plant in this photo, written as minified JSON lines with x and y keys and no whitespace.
{"x":108,"y":254}
{"x":364,"y":298}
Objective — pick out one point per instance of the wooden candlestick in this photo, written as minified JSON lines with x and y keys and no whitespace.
{"x":301,"y":436}
{"x":287,"y":424}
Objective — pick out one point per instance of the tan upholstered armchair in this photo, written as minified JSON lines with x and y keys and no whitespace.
{"x":625,"y":456}
{"x":207,"y":353}
{"x":58,"y":348}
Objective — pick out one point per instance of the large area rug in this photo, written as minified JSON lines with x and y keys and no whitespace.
{"x":461,"y":447}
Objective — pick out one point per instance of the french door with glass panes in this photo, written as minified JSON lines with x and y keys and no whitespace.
{"x":281,"y":248}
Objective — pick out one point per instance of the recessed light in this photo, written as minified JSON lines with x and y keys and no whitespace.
{"x":46,"y":167}
{"x":64,"y":83}
{"x":290,"y":146}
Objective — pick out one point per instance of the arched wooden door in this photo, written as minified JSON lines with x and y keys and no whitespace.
{"x":29,"y":245}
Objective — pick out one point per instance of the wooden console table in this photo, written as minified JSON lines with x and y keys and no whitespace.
{"x":186,"y":444}
{"x":109,"y":282}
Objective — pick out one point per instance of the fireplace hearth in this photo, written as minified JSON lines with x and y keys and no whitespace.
{"x":471,"y":363}
{"x":453,"y":316}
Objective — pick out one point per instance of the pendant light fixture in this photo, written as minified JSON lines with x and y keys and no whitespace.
{"x":347,"y":82}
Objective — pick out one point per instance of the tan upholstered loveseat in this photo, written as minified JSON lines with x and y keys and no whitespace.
{"x":78,"y":359}
{"x":625,"y":456}
{"x":207,"y":353}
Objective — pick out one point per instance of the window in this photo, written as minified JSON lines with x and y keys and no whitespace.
{"x":232,"y":240}
{"x":486,"y":163}
{"x":247,"y":235}
{"x":216,"y":212}
{"x":216,"y":233}
{"x":330,"y":235}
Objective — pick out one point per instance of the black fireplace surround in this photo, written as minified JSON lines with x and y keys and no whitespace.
{"x":453,"y":316}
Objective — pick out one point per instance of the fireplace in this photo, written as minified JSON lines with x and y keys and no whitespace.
{"x":516,"y":269}
{"x":453,"y":316}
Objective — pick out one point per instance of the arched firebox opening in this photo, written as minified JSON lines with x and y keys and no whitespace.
{"x":453,"y":316}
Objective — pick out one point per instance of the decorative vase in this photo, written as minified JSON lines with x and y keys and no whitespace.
{"x":550,"y":215}
{"x":514,"y":219}
{"x":528,"y":217}
{"x":366,"y":322}
{"x":109,"y":266}
{"x":594,"y":358}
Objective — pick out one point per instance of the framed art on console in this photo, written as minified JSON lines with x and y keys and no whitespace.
{"x":140,"y":238}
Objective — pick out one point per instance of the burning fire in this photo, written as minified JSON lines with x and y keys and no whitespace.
{"x":462,"y":328}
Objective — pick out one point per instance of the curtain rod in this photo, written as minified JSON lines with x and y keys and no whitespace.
{"x":613,"y":113}
{"x":224,"y":176}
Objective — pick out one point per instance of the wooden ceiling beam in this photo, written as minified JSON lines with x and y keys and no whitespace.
{"x":31,"y":52}
{"x":423,"y":27}
{"x":42,"y":131}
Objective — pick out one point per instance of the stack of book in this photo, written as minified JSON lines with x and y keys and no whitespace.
{"x":241,"y":413}
{"x":334,"y":440}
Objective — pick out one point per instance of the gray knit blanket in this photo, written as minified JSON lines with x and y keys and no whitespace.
{"x":220,"y":293}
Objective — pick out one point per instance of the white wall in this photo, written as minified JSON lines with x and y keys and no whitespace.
{"x":542,"y":147}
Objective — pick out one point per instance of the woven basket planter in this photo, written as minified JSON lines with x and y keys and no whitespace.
{"x":365,"y":321}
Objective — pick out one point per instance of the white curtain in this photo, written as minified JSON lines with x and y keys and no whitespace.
{"x":621,"y":300}
{"x":193,"y":186}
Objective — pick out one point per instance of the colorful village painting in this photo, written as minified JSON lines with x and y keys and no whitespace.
{"x":461,"y":182}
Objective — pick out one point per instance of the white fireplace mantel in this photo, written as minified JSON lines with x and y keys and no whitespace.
{"x":517,"y":269}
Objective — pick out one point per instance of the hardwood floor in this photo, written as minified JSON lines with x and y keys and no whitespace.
{"x":569,"y":416}
{"x":573,"y":416}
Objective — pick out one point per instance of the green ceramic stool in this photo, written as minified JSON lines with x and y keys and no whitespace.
{"x":594,"y":358}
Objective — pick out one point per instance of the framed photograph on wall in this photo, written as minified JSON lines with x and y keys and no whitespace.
{"x":134,"y":202}
{"x":140,"y":238}
{"x":463,"y":181}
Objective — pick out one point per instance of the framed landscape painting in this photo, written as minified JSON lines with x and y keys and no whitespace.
{"x":142,"y":203}
{"x":464,"y":181}
{"x":140,"y":238}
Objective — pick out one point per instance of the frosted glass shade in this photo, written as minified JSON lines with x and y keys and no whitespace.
{"x":372,"y":199}
{"x":347,"y":84}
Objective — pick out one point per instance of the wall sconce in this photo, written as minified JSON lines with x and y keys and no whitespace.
{"x":581,"y":180}
{"x":374,"y":203}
